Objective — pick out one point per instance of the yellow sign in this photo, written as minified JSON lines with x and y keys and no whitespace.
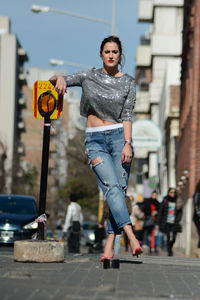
{"x":46,"y":101}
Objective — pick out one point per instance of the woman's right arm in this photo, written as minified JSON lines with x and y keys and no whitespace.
{"x":75,"y":79}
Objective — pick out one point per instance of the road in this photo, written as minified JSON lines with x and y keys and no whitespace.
{"x":83,"y":277}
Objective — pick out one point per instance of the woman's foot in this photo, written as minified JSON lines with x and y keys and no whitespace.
{"x":109,"y":248}
{"x":137,"y":251}
{"x":108,"y":257}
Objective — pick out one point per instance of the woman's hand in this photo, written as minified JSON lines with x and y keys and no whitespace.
{"x":59,"y":83}
{"x":127,"y":154}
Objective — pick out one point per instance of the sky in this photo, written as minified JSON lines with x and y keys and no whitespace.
{"x":52,"y":35}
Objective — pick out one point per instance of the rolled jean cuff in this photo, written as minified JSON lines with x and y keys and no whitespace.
{"x":126,"y":223}
{"x":111,"y":231}
{"x":120,"y":230}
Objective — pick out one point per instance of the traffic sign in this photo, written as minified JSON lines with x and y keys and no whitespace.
{"x":46,"y":101}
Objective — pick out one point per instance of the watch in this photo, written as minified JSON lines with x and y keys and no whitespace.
{"x":129,"y":142}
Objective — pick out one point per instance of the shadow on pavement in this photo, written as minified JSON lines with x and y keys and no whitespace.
{"x":126,"y":261}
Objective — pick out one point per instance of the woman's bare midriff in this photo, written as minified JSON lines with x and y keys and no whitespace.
{"x":94,"y":121}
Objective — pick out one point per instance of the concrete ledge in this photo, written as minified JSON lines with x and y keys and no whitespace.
{"x":38,"y":251}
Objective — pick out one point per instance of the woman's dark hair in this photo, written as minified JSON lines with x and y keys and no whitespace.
{"x":175,"y":194}
{"x":114,"y":39}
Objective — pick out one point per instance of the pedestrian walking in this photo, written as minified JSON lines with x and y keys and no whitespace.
{"x":137,"y":218}
{"x":108,"y":98}
{"x":169,"y":218}
{"x":59,"y":228}
{"x":72,"y":226}
{"x":196,"y":214}
{"x":129,"y":201}
{"x":150,"y":208}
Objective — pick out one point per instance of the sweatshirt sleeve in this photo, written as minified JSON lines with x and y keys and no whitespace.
{"x":129,"y":104}
{"x":76,"y":79}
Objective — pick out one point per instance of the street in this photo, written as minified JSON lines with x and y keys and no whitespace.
{"x":82,"y":277}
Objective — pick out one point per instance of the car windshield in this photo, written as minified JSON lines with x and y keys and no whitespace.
{"x":18,"y":206}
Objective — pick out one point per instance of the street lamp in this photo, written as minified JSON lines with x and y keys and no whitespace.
{"x":57,"y":62}
{"x":46,"y":9}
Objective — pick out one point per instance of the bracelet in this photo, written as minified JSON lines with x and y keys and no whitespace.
{"x":129,"y":142}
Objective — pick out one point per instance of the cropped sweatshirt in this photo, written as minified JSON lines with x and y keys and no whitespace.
{"x":109,"y":98}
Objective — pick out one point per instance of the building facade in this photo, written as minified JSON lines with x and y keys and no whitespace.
{"x":158,"y":69}
{"x":188,"y":158}
{"x":12,"y":103}
{"x":188,"y":140}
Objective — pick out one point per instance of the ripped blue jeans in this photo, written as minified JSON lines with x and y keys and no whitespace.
{"x":106,"y":148}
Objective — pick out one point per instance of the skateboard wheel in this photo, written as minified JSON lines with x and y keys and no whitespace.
{"x":106,"y":264}
{"x":115,"y":264}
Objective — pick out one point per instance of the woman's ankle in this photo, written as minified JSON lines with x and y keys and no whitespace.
{"x":134,"y":244}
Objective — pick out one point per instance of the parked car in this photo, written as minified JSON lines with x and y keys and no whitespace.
{"x":17,"y":215}
{"x":88,"y":233}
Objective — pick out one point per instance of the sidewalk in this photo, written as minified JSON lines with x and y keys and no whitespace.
{"x":83,"y":277}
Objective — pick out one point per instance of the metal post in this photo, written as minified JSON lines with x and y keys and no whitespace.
{"x":113,"y":17}
{"x":44,"y":175}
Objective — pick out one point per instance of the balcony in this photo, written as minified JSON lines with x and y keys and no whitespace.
{"x":146,"y":8}
{"x":155,"y":89}
{"x":145,"y":12}
{"x":22,"y":53}
{"x":143,"y":56}
{"x":166,"y":45}
{"x":20,"y":148}
{"x":142,"y":102}
{"x":21,"y":77}
{"x":176,"y":3}
{"x":20,"y":124}
{"x":22,"y":102}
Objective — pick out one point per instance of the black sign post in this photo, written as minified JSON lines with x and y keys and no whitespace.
{"x":44,"y":176}
{"x":47,"y":105}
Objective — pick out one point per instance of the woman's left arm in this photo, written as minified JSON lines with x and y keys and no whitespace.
{"x":127,"y":114}
{"x":127,"y":152}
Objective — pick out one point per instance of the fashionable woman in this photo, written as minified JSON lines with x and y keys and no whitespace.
{"x":169,"y":217}
{"x":108,"y":98}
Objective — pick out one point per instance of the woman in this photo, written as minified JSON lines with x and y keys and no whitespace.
{"x":196,"y":215}
{"x":108,"y":98}
{"x":150,"y":209}
{"x":169,"y":217}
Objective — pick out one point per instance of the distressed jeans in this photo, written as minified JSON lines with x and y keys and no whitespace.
{"x":112,"y":175}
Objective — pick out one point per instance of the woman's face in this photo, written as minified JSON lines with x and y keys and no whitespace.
{"x":110,"y":55}
{"x":172,"y":193}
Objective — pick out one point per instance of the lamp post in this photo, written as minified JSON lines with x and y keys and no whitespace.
{"x":113,"y":17}
{"x":37,"y":8}
{"x":57,"y":62}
